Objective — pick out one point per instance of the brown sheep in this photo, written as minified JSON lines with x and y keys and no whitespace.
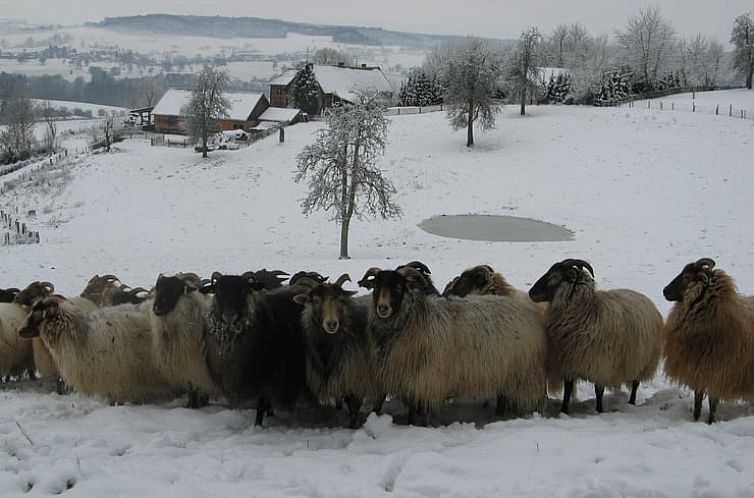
{"x":709,"y":336}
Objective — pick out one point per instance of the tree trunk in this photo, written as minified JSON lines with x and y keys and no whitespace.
{"x":470,"y":130}
{"x":345,"y":224}
{"x":523,"y":99}
{"x":749,"y":78}
{"x":204,"y":145}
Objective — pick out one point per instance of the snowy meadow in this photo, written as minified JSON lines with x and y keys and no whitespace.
{"x":644,"y":192}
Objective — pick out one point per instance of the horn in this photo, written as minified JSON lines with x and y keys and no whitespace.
{"x":51,"y":288}
{"x":413,"y":275}
{"x":137,"y":290}
{"x":417,"y":265}
{"x":343,"y":279}
{"x":578,"y":263}
{"x":705,"y":262}
{"x":110,"y":278}
{"x":366,"y":281}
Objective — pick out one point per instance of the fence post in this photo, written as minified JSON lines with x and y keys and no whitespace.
{"x":6,"y":239}
{"x":649,"y":102}
{"x":18,"y":226}
{"x":23,"y":228}
{"x":730,"y":110}
{"x":672,"y":106}
{"x":717,"y":109}
{"x":693,"y":107}
{"x":742,"y":113}
{"x":660,"y":105}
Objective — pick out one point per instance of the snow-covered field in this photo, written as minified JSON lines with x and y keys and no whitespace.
{"x":706,"y":102}
{"x":644,"y":191}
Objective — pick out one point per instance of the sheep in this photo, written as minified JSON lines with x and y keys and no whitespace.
{"x":126,"y":295}
{"x":340,"y":356}
{"x":430,"y":349}
{"x":43,"y":362}
{"x":307,"y":279}
{"x":255,"y":345}
{"x":709,"y":336}
{"x":100,"y":290}
{"x":424,"y":270}
{"x":16,"y":355}
{"x":609,"y":337}
{"x":270,"y":279}
{"x":104,"y":352}
{"x":7,"y":295}
{"x":178,"y":318}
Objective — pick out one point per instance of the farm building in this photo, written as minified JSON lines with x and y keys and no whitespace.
{"x":336,"y":84}
{"x":244,"y":113}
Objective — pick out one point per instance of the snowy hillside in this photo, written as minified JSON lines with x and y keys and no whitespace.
{"x":644,"y":191}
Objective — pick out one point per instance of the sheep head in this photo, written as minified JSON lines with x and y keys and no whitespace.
{"x":327,"y":302}
{"x":694,"y":277}
{"x":100,"y":290}
{"x":391,"y":286}
{"x":566,"y":271}
{"x":168,"y":290}
{"x":41,"y":312}
{"x":232,"y":293}
{"x":33,"y":292}
{"x":307,"y":279}
{"x":471,"y":281}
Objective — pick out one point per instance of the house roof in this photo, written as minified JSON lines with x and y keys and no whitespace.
{"x":280,"y":114}
{"x":241,"y":104}
{"x":343,"y":81}
{"x":346,"y":82}
{"x":285,"y":78}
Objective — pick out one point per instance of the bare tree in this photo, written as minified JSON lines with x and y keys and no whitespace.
{"x":742,"y":37}
{"x":471,"y":75}
{"x":47,"y":111}
{"x":17,"y":138}
{"x":207,"y":106}
{"x":557,"y":45}
{"x":330,"y":56}
{"x":151,"y":90}
{"x":524,"y":66}
{"x":341,"y":166}
{"x":647,"y":41}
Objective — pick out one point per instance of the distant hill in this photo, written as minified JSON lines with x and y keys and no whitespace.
{"x":255,"y":27}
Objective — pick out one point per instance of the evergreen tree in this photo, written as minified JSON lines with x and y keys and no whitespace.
{"x":742,"y":38}
{"x":306,"y":90}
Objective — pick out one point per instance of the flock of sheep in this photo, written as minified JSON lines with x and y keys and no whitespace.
{"x":255,"y":341}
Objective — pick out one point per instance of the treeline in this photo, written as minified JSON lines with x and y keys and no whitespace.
{"x":105,"y":89}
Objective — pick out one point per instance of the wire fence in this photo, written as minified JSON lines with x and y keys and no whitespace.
{"x":15,"y":231}
{"x":728,"y":110}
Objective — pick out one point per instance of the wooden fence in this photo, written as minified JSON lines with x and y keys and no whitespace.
{"x":400,"y":111}
{"x":16,"y":232}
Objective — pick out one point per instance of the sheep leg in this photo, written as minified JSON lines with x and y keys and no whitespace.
{"x":599,"y":391}
{"x":698,"y":398}
{"x":60,"y":386}
{"x":567,"y":391}
{"x":196,"y":399}
{"x":502,"y":406}
{"x":354,"y":405}
{"x":378,"y":403}
{"x":263,"y":405}
{"x":712,"y":409}
{"x":634,"y":388}
{"x":32,"y":374}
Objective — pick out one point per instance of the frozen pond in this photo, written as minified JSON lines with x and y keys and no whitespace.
{"x":495,"y":228}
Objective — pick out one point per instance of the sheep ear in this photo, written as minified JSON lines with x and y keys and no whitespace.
{"x":216,"y":276}
{"x":366,"y":282}
{"x":301,"y":299}
{"x":572,"y":274}
{"x":207,"y":288}
{"x":704,"y":278}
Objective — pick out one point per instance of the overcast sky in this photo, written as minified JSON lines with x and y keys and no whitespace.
{"x":492,"y":18}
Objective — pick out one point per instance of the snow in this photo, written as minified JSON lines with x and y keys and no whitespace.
{"x":346,"y":82}
{"x":285,"y":78}
{"x":241,"y":103}
{"x":280,"y":114}
{"x":644,"y":191}
{"x":706,"y":102}
{"x":84,"y":106}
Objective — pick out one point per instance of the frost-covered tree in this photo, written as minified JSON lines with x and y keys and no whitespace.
{"x":47,"y":112}
{"x":523,"y":70}
{"x":306,"y":90}
{"x":17,"y":139}
{"x":471,"y":78}
{"x":341,"y":166}
{"x":331,"y":56}
{"x":420,"y":89}
{"x":647,"y":43}
{"x":742,"y":37}
{"x":207,"y":106}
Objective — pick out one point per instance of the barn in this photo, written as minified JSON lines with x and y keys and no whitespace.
{"x":244,"y":113}
{"x":339,"y":83}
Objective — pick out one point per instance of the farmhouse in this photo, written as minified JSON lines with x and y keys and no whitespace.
{"x":336,"y":84}
{"x":244,"y":113}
